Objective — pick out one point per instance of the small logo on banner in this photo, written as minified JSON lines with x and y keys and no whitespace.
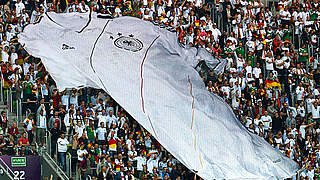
{"x":18,"y":161}
{"x":128,"y":43}
{"x":66,"y":47}
{"x":277,"y":161}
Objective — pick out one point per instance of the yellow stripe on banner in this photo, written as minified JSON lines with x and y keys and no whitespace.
{"x":200,"y":158}
{"x":192,"y":101}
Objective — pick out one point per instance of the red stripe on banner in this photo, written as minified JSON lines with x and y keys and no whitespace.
{"x":155,"y":134}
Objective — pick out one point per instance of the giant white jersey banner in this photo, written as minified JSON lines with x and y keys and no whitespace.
{"x":145,"y":70}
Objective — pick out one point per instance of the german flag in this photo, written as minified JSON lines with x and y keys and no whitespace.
{"x":112,"y":145}
{"x":311,"y":59}
{"x":197,"y":22}
{"x":271,"y":83}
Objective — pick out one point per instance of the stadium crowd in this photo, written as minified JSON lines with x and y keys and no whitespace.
{"x":271,"y":80}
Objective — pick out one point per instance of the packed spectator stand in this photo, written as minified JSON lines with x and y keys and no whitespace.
{"x":271,"y":81}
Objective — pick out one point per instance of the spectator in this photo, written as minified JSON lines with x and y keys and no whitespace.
{"x":29,"y":127}
{"x":41,"y":127}
{"x":55,"y":134}
{"x":24,"y":141}
{"x":2,"y":144}
{"x":62,"y":150}
{"x":13,"y":130}
{"x":101,"y":134}
{"x":104,"y":173}
{"x":4,"y":121}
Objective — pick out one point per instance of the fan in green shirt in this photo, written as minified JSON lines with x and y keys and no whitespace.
{"x":90,"y":132}
{"x":240,"y":50}
{"x":313,"y":14}
{"x":303,"y":53}
{"x":251,"y":59}
{"x":94,"y":151}
{"x":27,"y":85}
{"x":226,"y":51}
{"x":286,"y":33}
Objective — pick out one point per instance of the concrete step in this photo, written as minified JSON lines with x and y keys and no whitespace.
{"x":3,"y":106}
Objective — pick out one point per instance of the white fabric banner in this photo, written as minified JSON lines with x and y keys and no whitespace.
{"x":145,"y":70}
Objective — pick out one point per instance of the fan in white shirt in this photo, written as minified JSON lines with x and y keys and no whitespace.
{"x":62,"y":144}
{"x":19,"y":7}
{"x":14,"y":56}
{"x":300,"y":92}
{"x":81,"y":152}
{"x":278,"y":141}
{"x":269,"y":62}
{"x":309,"y":100}
{"x":316,"y":92}
{"x":129,"y":142}
{"x":226,"y":89}
{"x":5,"y":55}
{"x":248,"y":68}
{"x":141,"y":161}
{"x":101,"y":132}
{"x":4,"y":41}
{"x":35,"y":15}
{"x":315,"y":110}
{"x":153,"y":163}
{"x":301,"y":110}
{"x":111,"y":119}
{"x":240,"y":62}
{"x":216,"y":33}
{"x":102,"y":118}
{"x":285,"y":14}
{"x":248,"y":121}
{"x":279,"y":63}
{"x":83,"y":7}
{"x":267,"y":120}
{"x":290,"y":140}
{"x":79,"y":129}
{"x":256,"y":70}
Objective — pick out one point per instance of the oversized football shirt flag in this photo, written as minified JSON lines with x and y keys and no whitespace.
{"x":143,"y":68}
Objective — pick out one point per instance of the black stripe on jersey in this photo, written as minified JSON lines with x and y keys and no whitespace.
{"x":94,"y":46}
{"x":95,"y":43}
{"x":52,"y":19}
{"x":84,"y":27}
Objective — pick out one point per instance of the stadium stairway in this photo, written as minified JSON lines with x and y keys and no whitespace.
{"x":5,"y":172}
{"x":49,"y":167}
{"x":12,"y":116}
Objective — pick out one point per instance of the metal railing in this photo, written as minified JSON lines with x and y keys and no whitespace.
{"x":19,"y":110}
{"x":48,"y":142}
{"x":68,"y":165}
{"x":1,"y":88}
{"x":6,"y":168}
{"x":55,"y":166}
